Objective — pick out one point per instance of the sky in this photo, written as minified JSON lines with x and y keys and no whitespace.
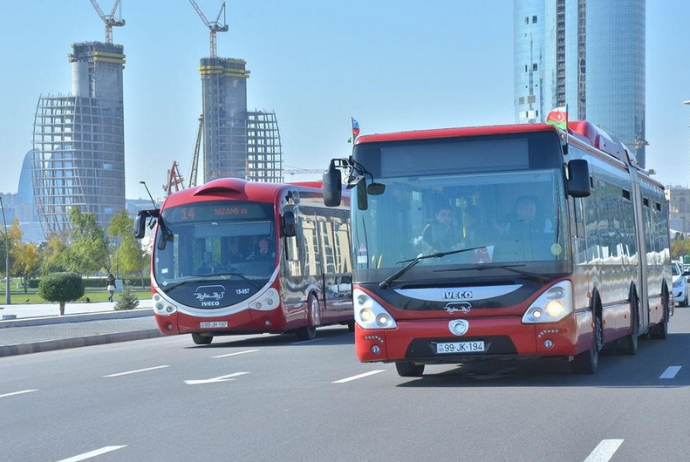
{"x":391,"y":64}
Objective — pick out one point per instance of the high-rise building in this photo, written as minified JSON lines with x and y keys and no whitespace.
{"x":587,"y":54}
{"x":237,"y":143}
{"x":78,"y":141}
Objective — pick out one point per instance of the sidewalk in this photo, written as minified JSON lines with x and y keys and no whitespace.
{"x":33,"y":328}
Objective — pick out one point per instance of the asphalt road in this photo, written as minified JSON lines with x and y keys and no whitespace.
{"x":269,"y":397}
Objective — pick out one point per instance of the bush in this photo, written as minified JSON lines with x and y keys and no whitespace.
{"x":127,"y":300}
{"x":61,"y":288}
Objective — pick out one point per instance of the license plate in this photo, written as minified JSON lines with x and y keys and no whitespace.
{"x":459,"y":347}
{"x":212,"y":324}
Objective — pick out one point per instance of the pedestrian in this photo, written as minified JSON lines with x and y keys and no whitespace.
{"x":110,"y":285}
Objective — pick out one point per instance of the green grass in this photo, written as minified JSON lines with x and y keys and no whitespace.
{"x":18,"y":296}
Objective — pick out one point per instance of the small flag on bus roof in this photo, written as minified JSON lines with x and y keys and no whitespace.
{"x":558,"y":117}
{"x":355,"y":131}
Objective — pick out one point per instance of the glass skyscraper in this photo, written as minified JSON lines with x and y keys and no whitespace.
{"x":587,"y":54}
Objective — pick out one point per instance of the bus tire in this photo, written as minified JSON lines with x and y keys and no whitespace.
{"x":409,"y":369}
{"x":630,"y":342}
{"x":199,"y":339}
{"x":351,"y":326}
{"x":660,"y":331}
{"x":587,"y":362}
{"x":308,"y":332}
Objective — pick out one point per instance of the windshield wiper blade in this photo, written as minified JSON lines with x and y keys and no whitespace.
{"x":240,"y":275}
{"x":410,"y":263}
{"x":513,"y":268}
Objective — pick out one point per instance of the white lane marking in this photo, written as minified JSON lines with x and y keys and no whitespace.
{"x":307,"y":341}
{"x":136,"y":372}
{"x":236,"y":353}
{"x":360,"y":376}
{"x":222,"y":378}
{"x":604,"y":451}
{"x":15,"y":393}
{"x":670,"y":372}
{"x":94,"y":453}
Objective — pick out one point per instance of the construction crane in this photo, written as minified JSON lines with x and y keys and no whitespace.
{"x":212,"y":26}
{"x":299,"y":171}
{"x":195,"y":160}
{"x":109,"y":20}
{"x":175,"y":179}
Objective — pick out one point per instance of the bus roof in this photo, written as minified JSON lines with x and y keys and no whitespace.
{"x":453,"y":132}
{"x":238,"y":189}
{"x":583,"y":131}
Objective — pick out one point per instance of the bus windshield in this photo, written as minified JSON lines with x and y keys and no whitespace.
{"x":509,"y":219}
{"x":218,"y":240}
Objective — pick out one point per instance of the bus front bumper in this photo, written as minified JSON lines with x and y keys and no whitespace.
{"x":431,"y":341}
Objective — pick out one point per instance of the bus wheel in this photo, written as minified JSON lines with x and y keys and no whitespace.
{"x":630,"y":342}
{"x":308,"y":332}
{"x":409,"y":369}
{"x":199,"y":339}
{"x":351,"y":326}
{"x":660,"y":331}
{"x":588,"y":361}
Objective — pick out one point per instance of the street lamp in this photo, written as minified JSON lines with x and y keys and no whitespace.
{"x":8,"y":297}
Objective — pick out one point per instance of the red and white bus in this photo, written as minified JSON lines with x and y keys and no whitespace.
{"x":238,"y":257}
{"x":590,"y":269}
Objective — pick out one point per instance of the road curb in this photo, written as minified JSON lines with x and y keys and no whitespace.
{"x":96,"y":316}
{"x":51,"y":345}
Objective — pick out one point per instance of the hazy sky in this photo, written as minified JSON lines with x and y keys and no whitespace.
{"x":391,"y":64}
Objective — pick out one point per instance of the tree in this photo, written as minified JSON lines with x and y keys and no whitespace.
{"x":680,"y":247}
{"x":127,"y":300}
{"x":88,"y":252}
{"x":128,"y":257}
{"x":24,"y":257}
{"x":61,"y":288}
{"x":53,"y":253}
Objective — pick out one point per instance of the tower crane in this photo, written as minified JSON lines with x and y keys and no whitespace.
{"x":195,"y":160}
{"x":175,"y":179}
{"x":109,"y":20}
{"x":298,"y":171}
{"x":214,"y":26}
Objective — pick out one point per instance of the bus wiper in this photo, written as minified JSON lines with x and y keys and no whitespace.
{"x":513,"y":268}
{"x":410,"y":263}
{"x":240,"y":275}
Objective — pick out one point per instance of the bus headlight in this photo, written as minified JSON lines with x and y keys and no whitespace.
{"x":551,"y":306}
{"x":163,"y":307}
{"x":268,"y":301}
{"x":369,"y":314}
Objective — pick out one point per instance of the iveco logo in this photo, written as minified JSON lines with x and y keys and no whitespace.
{"x":459,"y":294}
{"x":462,"y":307}
{"x":458,"y":327}
{"x":213,"y":293}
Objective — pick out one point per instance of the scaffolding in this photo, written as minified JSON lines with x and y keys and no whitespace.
{"x":264,"y":151}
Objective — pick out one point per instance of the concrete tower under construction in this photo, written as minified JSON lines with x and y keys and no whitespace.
{"x":237,"y":143}
{"x":78,"y":141}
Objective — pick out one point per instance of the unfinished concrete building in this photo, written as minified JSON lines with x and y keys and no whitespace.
{"x":78,"y":141}
{"x":237,"y":143}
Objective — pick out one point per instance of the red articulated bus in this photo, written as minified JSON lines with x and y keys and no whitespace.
{"x":519,"y":241}
{"x":238,"y":257}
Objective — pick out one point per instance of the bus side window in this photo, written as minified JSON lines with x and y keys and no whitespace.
{"x":292,"y":256}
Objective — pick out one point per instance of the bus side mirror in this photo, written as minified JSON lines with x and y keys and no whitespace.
{"x":578,"y":178}
{"x":140,"y":222}
{"x":289,"y":224}
{"x":362,"y":199}
{"x":332,"y":186}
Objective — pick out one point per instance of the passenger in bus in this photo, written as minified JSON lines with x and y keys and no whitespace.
{"x":528,"y":232}
{"x":207,"y":265}
{"x":442,"y":235}
{"x":234,"y":254}
{"x":263,"y":251}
